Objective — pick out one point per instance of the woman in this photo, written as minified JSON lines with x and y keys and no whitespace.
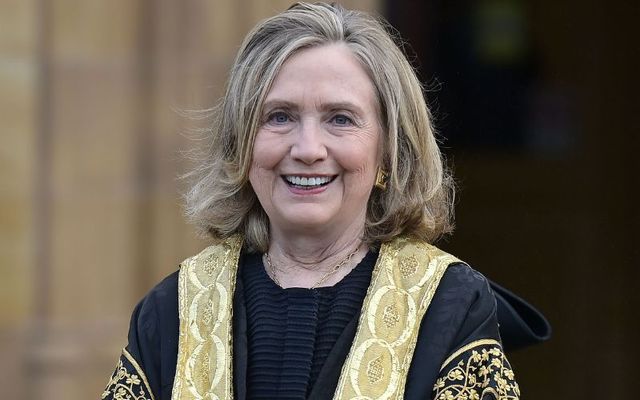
{"x":322,"y":188}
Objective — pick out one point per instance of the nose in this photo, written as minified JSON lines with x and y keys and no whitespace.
{"x":309,"y":146}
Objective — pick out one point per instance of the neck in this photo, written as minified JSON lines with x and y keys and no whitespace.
{"x":300,"y":260}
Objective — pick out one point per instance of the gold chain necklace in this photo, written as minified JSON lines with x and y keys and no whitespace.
{"x":324,"y":277}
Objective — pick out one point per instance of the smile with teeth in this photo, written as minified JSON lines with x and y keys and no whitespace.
{"x":307,"y":181}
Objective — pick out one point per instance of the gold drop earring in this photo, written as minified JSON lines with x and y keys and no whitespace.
{"x":381,"y":179}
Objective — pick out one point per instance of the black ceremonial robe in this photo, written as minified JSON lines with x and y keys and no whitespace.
{"x":458,"y":353}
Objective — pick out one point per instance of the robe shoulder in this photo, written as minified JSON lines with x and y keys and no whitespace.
{"x":152,"y":345}
{"x":463,"y":309}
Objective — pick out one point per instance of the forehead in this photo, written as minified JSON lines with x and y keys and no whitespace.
{"x":330,"y":71}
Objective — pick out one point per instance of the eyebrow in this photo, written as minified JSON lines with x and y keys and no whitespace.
{"x":271,"y":104}
{"x":328,"y":106}
{"x":341,"y":105}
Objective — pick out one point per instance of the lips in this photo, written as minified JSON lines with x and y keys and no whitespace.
{"x":308,"y":181}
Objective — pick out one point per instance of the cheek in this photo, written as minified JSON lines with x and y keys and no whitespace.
{"x":267,"y":154}
{"x":260,"y":177}
{"x":254,"y":174}
{"x":363,"y":158}
{"x":261,"y":185}
{"x":263,"y":172}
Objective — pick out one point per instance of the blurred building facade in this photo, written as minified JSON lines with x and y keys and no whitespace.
{"x":535,"y":102}
{"x":90,"y":206}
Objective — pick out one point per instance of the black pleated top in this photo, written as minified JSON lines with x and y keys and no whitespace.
{"x":291,"y":331}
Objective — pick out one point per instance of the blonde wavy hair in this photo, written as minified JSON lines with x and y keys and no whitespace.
{"x":419,"y":195}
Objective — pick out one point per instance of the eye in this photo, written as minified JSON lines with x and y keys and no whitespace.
{"x":278,"y":118}
{"x":342,"y":120}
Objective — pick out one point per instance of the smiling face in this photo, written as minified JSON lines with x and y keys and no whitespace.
{"x":317,"y":149}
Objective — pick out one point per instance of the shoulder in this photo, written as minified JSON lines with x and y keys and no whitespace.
{"x":462,"y":310}
{"x":163,"y":291}
{"x":147,"y":363}
{"x":158,"y":306}
{"x":456,"y":295}
{"x":457,"y":286}
{"x":463,"y":288}
{"x":154,"y":324}
{"x":474,"y":354}
{"x":225,"y":251}
{"x":461,"y":275}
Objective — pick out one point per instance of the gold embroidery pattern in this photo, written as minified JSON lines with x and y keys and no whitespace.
{"x":375,"y":370}
{"x":403,"y":283}
{"x":390,"y":317}
{"x":408,"y":266}
{"x":482,"y":369}
{"x":126,"y":385}
{"x":205,"y":298}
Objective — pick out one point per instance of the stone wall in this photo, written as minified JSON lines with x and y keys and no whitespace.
{"x":91,"y":147}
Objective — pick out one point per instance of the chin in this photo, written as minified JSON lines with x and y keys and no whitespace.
{"x":308,"y":222}
{"x":306,"y":218}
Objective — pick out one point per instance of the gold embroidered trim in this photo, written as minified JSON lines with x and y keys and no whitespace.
{"x":206,"y":283}
{"x":456,"y":354}
{"x":123,"y":385}
{"x":484,"y":370}
{"x":403,"y":283}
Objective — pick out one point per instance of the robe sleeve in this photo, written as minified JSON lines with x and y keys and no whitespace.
{"x":477,"y":368}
